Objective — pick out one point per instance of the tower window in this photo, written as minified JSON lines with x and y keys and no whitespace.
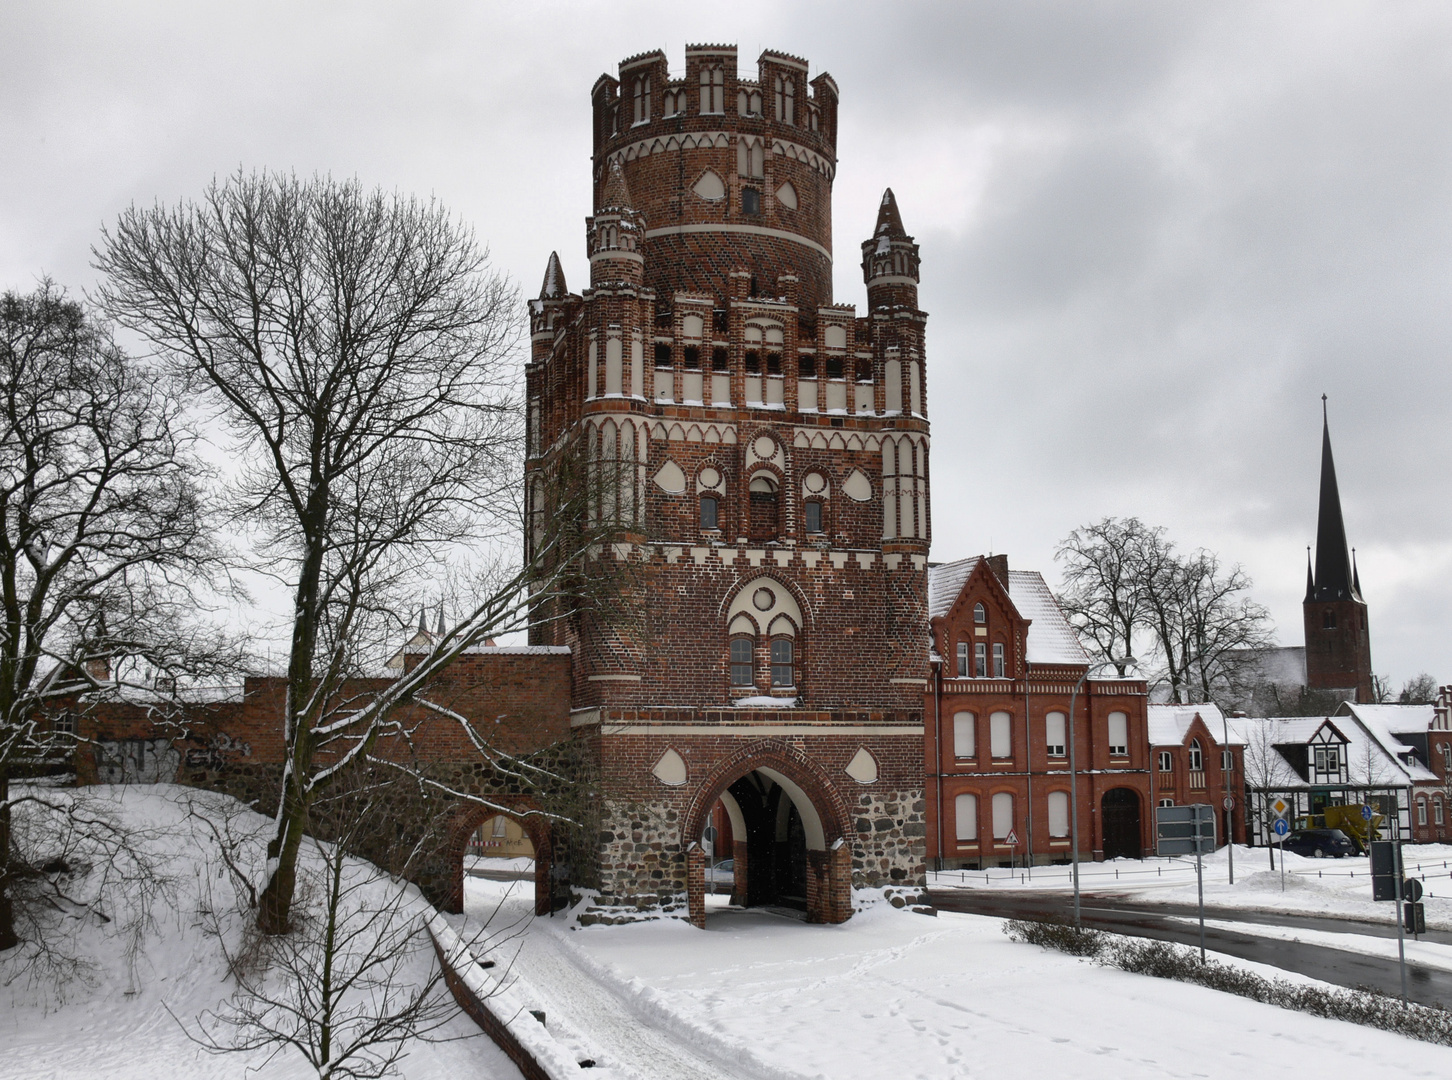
{"x":786,"y":100}
{"x":980,"y":614}
{"x":998,"y":660}
{"x":834,"y":367}
{"x":691,"y":357}
{"x":807,"y":366}
{"x":741,"y":673}
{"x":773,"y":363}
{"x":642,"y":99}
{"x":719,"y":361}
{"x":1328,"y":619}
{"x":662,"y":355}
{"x":750,"y":202}
{"x":783,"y":667}
{"x":980,"y":660}
{"x":864,"y":370}
{"x":762,"y":497}
{"x":710,"y":512}
{"x":814,"y":517}
{"x":753,"y":362}
{"x":713,"y":90}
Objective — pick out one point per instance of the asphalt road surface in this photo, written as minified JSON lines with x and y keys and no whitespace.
{"x":1430,"y":986}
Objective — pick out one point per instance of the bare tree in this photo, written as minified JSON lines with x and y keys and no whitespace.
{"x":103,"y":543}
{"x":362,"y":355}
{"x":1421,"y":689}
{"x":1266,"y":770}
{"x":1105,"y":567}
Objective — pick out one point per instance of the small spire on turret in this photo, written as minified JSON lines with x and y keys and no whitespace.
{"x":615,"y":195}
{"x":554,"y":279}
{"x":1310,"y":578}
{"x":422,"y":620}
{"x":889,"y":221}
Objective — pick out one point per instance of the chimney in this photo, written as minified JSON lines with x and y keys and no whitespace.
{"x":999,"y":565}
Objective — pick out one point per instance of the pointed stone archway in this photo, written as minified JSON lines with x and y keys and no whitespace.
{"x":795,"y":794}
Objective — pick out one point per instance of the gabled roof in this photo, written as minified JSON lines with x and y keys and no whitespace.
{"x":1051,"y":640}
{"x":1382,"y":722}
{"x":1169,"y":724}
{"x":1391,"y":767}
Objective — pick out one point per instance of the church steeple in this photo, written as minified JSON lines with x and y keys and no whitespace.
{"x":1334,"y":578}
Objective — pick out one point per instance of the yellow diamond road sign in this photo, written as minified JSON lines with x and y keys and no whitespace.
{"x":1279,"y":807}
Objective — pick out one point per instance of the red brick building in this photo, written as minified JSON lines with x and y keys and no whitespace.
{"x":1199,"y":758}
{"x":772,"y":449}
{"x":1008,"y":672}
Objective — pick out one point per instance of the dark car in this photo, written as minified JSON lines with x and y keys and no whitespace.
{"x":1320,"y":843}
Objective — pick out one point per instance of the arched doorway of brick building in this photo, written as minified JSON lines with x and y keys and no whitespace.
{"x":787,"y":833}
{"x":499,"y":846}
{"x":1119,"y":820}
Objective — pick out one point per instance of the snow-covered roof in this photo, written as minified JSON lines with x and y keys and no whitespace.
{"x":1168,"y":724}
{"x":1051,"y":640}
{"x":519,"y":650}
{"x":1389,"y":762}
{"x":945,"y":583}
{"x":1379,"y":721}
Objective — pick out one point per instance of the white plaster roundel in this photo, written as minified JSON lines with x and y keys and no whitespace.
{"x":764,"y":447}
{"x":815,"y":483}
{"x":710,"y":477}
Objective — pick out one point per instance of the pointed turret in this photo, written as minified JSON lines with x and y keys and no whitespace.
{"x":554,"y":279}
{"x":615,"y":235}
{"x":889,"y":221}
{"x":1310,"y":578}
{"x":1333,"y":560}
{"x":615,"y":195}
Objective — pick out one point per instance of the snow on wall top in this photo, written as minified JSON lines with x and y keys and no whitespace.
{"x":519,"y":650}
{"x":1393,"y":718}
{"x":1051,"y":640}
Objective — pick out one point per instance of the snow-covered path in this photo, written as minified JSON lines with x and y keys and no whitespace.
{"x":588,"y":1015}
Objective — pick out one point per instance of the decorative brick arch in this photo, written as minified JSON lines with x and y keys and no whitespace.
{"x":829,"y":847}
{"x":468,"y":817}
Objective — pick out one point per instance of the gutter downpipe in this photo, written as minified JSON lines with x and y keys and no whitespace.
{"x":937,"y":666}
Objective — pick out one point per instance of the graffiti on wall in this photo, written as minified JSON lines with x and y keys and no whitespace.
{"x":136,"y":761}
{"x":217,"y":752}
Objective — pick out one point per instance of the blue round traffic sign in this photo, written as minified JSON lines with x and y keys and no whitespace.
{"x":1281,"y":827}
{"x":1366,"y":813}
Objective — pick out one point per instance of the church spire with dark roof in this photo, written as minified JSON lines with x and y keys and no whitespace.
{"x":1334,"y":576}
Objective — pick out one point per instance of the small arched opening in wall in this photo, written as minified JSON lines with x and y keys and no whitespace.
{"x":787,"y":831}
{"x":468,"y":853}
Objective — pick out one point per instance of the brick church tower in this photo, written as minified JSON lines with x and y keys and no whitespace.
{"x":1338,"y":642}
{"x":772,"y":454}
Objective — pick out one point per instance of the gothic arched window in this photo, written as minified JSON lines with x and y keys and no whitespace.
{"x":713,"y":90}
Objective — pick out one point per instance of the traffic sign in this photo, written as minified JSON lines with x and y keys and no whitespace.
{"x":1414,"y":918}
{"x":1365,"y":813}
{"x":1279,"y":807}
{"x":1281,"y":827}
{"x":1185,"y":830}
{"x":1411,"y":890}
{"x":1012,"y":839}
{"x":1229,"y":802}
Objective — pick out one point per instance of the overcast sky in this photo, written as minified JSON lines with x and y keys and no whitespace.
{"x":1152,"y":234}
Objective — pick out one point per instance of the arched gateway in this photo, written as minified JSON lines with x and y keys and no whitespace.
{"x":467,"y":818}
{"x":790,"y":828}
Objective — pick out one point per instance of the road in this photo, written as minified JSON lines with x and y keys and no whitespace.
{"x":1430,"y":986}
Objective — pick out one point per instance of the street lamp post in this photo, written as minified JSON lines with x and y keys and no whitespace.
{"x":1226,"y":776}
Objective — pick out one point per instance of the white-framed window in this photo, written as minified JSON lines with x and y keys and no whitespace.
{"x":962,"y":659}
{"x":1421,"y":811}
{"x":1056,"y":737}
{"x":743,"y":672}
{"x":1436,"y":811}
{"x":1196,"y":756}
{"x":1447,"y":756}
{"x":783,"y":665}
{"x":1167,"y":802}
{"x":1328,"y":759}
{"x":1000,"y":735}
{"x":713,"y":90}
{"x":980,"y":660}
{"x":1002,"y":815}
{"x":1118,"y":735}
{"x":998,"y":660}
{"x":1058,"y":813}
{"x":1167,"y":761}
{"x":965,"y":736}
{"x":965,"y":809}
{"x":980,"y":614}
{"x":1227,"y":760}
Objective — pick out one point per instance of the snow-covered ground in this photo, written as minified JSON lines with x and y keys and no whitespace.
{"x":1311,"y":886}
{"x":120,"y":1024}
{"x":899,"y":996}
{"x":499,"y":864}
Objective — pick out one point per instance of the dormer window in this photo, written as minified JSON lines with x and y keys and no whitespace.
{"x":1328,"y":759}
{"x":713,"y":90}
{"x":980,"y":614}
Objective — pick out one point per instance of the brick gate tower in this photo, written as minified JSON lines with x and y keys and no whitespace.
{"x":772,"y":454}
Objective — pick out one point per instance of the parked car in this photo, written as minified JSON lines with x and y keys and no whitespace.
{"x":1320,"y":843}
{"x":721,"y":878}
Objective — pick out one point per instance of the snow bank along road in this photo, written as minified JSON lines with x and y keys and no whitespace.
{"x":1257,"y":936}
{"x":586,"y":1013}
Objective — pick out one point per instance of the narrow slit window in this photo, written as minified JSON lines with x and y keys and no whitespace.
{"x":741,"y":673}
